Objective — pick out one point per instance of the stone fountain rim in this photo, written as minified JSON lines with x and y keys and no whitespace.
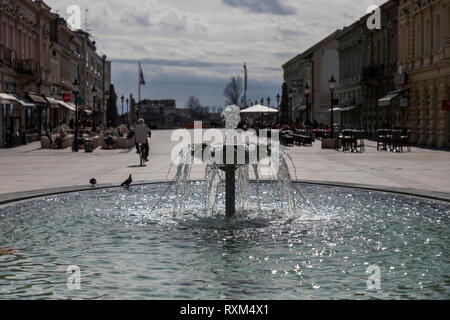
{"x":10,"y":198}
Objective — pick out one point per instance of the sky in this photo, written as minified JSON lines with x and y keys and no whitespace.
{"x":194,"y":47}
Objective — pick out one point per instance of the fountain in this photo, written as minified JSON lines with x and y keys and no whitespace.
{"x":233,"y":157}
{"x":179,"y":251}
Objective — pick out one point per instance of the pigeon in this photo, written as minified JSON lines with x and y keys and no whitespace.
{"x":127,"y":182}
{"x":93,"y":182}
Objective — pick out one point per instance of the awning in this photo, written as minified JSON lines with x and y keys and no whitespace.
{"x":299,"y":107}
{"x":66,"y":105}
{"x":348,"y":108}
{"x":386,"y":101}
{"x":37,"y":98}
{"x":23,"y":101}
{"x":53,"y":102}
{"x":7,"y":98}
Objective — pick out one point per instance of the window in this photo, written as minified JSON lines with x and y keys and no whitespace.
{"x":418,"y":40}
{"x":438,"y":33}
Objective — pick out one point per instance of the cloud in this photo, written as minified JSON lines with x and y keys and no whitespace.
{"x":174,"y":63}
{"x":194,"y":47}
{"x":140,"y":18}
{"x":275,"y":7}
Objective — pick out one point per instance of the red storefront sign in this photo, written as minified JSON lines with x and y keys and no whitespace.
{"x":66,"y":97}
{"x":446,"y":105}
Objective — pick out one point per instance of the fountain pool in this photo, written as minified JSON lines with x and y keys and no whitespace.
{"x":127,"y":250}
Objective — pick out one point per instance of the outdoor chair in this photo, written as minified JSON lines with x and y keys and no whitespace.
{"x":396,"y":142}
{"x":338,"y":140}
{"x":406,"y":139}
{"x":347,"y":140}
{"x":358,"y":137}
{"x":382,"y":136}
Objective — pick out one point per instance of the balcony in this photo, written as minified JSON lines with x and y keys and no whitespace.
{"x":28,"y":67}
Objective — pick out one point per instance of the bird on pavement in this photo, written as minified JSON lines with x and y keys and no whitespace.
{"x":127,"y":182}
{"x":93,"y":182}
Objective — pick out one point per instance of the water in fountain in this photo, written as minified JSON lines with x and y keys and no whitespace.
{"x":214,"y":179}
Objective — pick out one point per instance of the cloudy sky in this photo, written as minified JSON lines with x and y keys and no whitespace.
{"x":193,"y":47}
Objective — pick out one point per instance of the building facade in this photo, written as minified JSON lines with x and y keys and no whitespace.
{"x":379,"y":60}
{"x":424,"y":69}
{"x":40,"y":57}
{"x":350,"y":88}
{"x":307,"y":75}
{"x":163,"y":114}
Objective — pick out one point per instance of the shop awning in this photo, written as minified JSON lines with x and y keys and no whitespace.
{"x":348,"y":108}
{"x":66,"y":105}
{"x":23,"y":101}
{"x":7,"y":98}
{"x":299,"y":107}
{"x":386,"y":101}
{"x":53,"y":102}
{"x":37,"y":98}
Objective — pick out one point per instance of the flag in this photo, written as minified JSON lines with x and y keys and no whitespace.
{"x":245,"y":85}
{"x":141,"y":75}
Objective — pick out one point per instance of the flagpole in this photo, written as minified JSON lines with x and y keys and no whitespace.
{"x":139,"y":96}
{"x":245,"y":86}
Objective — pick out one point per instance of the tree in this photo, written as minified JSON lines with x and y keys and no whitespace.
{"x":233,"y":91}
{"x":198,"y":112}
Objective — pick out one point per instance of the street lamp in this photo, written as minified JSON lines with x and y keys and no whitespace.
{"x":332,"y":85}
{"x":94,"y":114}
{"x":76,"y":91}
{"x":307,"y":93}
{"x":106,"y":105}
{"x":291,"y":95}
{"x":128,"y":110}
{"x":122,"y":99}
{"x":268,"y":102}
{"x":262,"y":101}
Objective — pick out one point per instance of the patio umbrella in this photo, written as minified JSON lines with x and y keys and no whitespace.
{"x":259,"y":109}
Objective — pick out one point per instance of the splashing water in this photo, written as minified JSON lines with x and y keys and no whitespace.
{"x":213,"y":177}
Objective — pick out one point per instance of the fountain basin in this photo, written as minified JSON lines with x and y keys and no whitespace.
{"x":126,"y":250}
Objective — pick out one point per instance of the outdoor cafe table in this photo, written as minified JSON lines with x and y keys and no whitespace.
{"x":348,"y":140}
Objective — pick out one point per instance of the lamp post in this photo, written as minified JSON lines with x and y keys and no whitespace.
{"x":278,"y":106}
{"x":122,"y":99}
{"x":106,"y":106}
{"x":128,"y":110}
{"x":262,"y":101}
{"x":332,"y":85}
{"x":76,"y":90}
{"x":94,"y":108}
{"x":307,"y":93}
{"x":291,"y":95}
{"x":268,"y":102}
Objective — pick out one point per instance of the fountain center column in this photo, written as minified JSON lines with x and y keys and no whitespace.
{"x":230,"y":189}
